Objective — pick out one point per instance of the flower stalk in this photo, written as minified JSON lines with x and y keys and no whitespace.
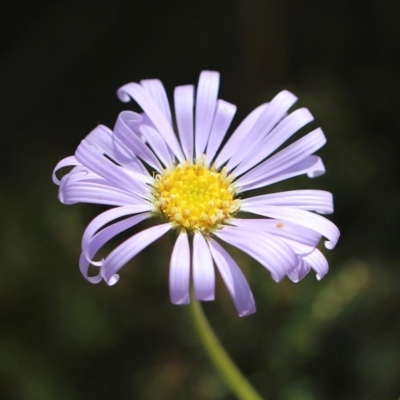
{"x":233,"y":378}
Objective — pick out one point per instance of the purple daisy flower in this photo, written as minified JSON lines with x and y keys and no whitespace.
{"x":198,"y":188}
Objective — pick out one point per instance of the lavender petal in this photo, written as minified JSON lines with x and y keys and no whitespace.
{"x":283,"y":131}
{"x":299,"y":272}
{"x":271,"y":116}
{"x":128,"y":249}
{"x":283,"y":229}
{"x":267,"y":249}
{"x":238,"y":137}
{"x":145,"y":101}
{"x":206,"y":103}
{"x":157,"y":143}
{"x":311,"y":165}
{"x":318,"y":263}
{"x":124,"y":132}
{"x":234,"y":279}
{"x":184,"y":103}
{"x":319,"y":201}
{"x":101,"y":238}
{"x":89,"y":157}
{"x":300,"y":217}
{"x":155,"y":89}
{"x":289,"y":156}
{"x":104,"y":218}
{"x":203,"y":270}
{"x":223,"y":118}
{"x":70,"y":161}
{"x":179,"y":271}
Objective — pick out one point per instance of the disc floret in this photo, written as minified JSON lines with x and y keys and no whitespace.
{"x":195,"y":197}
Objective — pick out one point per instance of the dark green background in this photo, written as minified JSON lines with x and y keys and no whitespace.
{"x":63,"y":338}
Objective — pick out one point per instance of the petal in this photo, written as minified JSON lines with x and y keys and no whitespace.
{"x":272,"y":114}
{"x":80,"y":173}
{"x":311,"y":165}
{"x":101,"y":138}
{"x":102,"y":237}
{"x":184,"y":102}
{"x":124,"y":131}
{"x":127,"y":158}
{"x":206,"y":103}
{"x":179,"y":271}
{"x":104,"y":140}
{"x":267,"y":249}
{"x":286,"y":158}
{"x":318,"y":263}
{"x":234,"y":279}
{"x":106,"y":217}
{"x":223,"y":118}
{"x":70,"y":161}
{"x":75,"y":191}
{"x":239,"y":135}
{"x":145,"y":101}
{"x":301,"y":217}
{"x":283,"y":229}
{"x":156,"y":90}
{"x":101,"y":165}
{"x":84,"y":268}
{"x":283,"y":131}
{"x":128,"y":249}
{"x":302,"y":241}
{"x":157,"y":143}
{"x":312,"y":200}
{"x":203,"y":269}
{"x":299,"y":272}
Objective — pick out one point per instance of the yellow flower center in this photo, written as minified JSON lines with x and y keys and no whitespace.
{"x":194,"y":197}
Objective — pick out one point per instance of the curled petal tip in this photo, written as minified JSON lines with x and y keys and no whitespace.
{"x":209,"y":298}
{"x":275,"y":277}
{"x":251,"y":310}
{"x":122,"y":95}
{"x":181,"y":301}
{"x":288,"y":94}
{"x":113,"y":280}
{"x":329,"y":245}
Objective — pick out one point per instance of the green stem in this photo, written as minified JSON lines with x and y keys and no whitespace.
{"x":239,"y":385}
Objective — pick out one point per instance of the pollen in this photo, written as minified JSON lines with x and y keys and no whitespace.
{"x":194,"y":197}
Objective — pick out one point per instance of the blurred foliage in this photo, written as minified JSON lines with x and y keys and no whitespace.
{"x":62,"y":338}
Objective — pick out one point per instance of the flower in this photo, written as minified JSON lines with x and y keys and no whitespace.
{"x":197,"y":188}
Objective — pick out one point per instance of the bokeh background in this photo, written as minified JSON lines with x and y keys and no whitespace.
{"x":61,"y":338}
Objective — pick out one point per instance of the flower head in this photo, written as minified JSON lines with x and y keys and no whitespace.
{"x":197,"y":188}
